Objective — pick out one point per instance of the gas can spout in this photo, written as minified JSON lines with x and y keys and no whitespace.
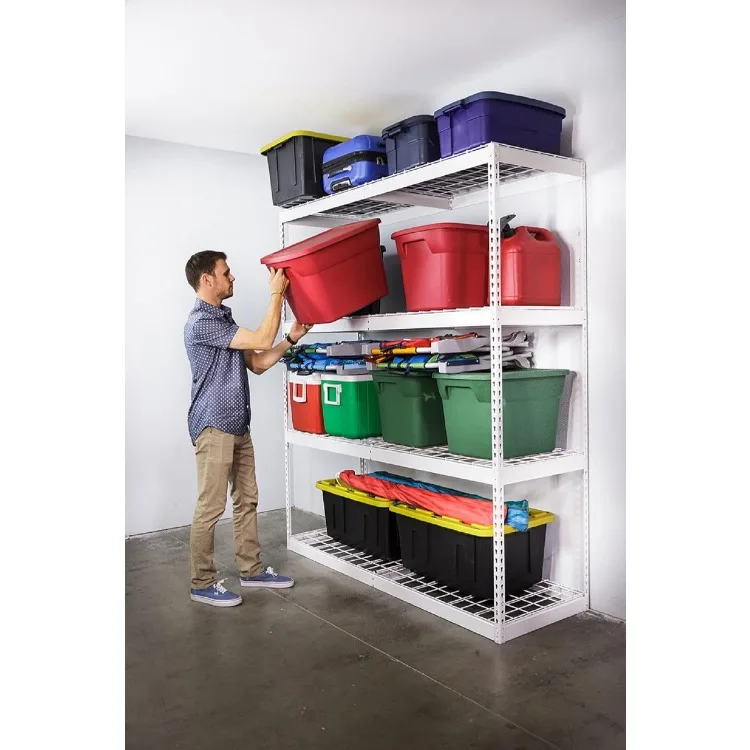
{"x":506,"y":230}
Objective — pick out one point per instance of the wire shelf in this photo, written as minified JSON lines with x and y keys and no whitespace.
{"x":452,"y":185}
{"x":368,"y":208}
{"x":439,"y":460}
{"x":395,"y":572}
{"x":487,"y":174}
{"x":436,"y":451}
{"x":542,"y":596}
{"x":449,"y":186}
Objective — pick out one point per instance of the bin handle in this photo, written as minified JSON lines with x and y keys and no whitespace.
{"x":543,"y":234}
{"x":452,"y":107}
{"x":342,"y":184}
{"x":393,"y":131}
{"x":302,"y":396}
{"x":337,"y":390}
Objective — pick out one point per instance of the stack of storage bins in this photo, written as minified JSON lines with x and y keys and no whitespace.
{"x":451,"y":553}
{"x":304,"y":165}
{"x":446,"y":266}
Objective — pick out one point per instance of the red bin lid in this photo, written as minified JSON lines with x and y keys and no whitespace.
{"x":443,"y":225}
{"x":319,"y":241}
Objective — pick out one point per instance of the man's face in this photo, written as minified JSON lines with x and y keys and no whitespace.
{"x":222,"y":282}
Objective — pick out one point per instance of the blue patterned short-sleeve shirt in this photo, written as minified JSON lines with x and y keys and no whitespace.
{"x":220,"y":395}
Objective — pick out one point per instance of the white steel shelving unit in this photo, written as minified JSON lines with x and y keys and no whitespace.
{"x":486,"y":175}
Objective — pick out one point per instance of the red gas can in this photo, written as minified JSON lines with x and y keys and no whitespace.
{"x":305,"y":403}
{"x":334,"y":273}
{"x":444,"y":266}
{"x":530,"y":266}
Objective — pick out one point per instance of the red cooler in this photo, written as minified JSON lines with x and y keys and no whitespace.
{"x":334,"y":273}
{"x":444,"y":266}
{"x":305,"y":404}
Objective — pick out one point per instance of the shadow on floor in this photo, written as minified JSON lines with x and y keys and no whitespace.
{"x":335,"y":664}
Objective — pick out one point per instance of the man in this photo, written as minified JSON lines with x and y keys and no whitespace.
{"x":220,"y":354}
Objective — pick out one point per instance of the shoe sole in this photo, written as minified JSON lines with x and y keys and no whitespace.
{"x":214,"y":602}
{"x":258,"y":585}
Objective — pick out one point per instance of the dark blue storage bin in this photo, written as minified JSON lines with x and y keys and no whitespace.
{"x":411,"y":142}
{"x":503,"y":118}
{"x":355,"y":162}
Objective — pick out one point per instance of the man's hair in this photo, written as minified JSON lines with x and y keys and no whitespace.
{"x":200,"y":263}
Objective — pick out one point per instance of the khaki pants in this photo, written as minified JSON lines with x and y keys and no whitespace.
{"x":224,"y":459}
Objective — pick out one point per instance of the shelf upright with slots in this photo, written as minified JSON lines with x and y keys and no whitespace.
{"x":488,"y":175}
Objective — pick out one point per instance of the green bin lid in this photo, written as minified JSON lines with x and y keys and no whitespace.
{"x":393,"y":374}
{"x":507,"y":375}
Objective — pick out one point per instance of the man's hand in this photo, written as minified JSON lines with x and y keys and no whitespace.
{"x":278,"y":281}
{"x":298,"y":330}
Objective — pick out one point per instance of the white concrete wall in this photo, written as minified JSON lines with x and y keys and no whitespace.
{"x":586,"y":75}
{"x":181,"y":199}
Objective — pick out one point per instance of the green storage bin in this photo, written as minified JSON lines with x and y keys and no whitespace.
{"x":350,"y":406}
{"x":411,"y":410}
{"x":531,"y":409}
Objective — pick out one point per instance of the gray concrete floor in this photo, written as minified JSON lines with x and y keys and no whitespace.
{"x":335,"y":664}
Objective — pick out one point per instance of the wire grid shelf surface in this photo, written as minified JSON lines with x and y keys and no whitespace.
{"x":542,"y":595}
{"x":436,"y":451}
{"x":395,"y":572}
{"x":449,"y":186}
{"x":368,"y":208}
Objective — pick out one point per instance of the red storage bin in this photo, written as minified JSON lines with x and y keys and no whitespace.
{"x":334,"y":273}
{"x":530,"y":273}
{"x":444,"y":266}
{"x":305,"y":403}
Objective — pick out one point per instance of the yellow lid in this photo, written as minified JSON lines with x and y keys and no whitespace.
{"x":295,"y":133}
{"x":536,"y":518}
{"x":337,"y":488}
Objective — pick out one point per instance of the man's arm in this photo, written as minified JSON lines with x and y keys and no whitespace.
{"x":261,"y":339}
{"x":259,"y":362}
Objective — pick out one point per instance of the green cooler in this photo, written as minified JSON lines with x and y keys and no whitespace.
{"x":350,"y":407}
{"x":531,"y":408}
{"x":411,"y":411}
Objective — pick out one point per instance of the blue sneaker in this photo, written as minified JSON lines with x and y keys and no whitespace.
{"x":268,"y":579}
{"x":216,"y":595}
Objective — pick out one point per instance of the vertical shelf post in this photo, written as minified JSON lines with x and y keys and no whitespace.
{"x":584,"y":292}
{"x":496,"y":380}
{"x":285,"y":402}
